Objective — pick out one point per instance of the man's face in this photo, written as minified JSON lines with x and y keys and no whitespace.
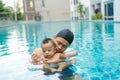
{"x":61,"y":44}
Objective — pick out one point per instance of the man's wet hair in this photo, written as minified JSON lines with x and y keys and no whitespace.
{"x":67,"y":35}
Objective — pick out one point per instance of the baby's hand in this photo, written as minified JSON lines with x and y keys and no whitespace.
{"x":41,"y":60}
{"x":45,"y":60}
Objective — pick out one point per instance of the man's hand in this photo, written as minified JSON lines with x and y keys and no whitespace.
{"x":75,"y":53}
{"x":72,"y":54}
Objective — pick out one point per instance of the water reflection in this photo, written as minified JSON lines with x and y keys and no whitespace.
{"x":27,"y":36}
{"x":3,"y":41}
{"x":97,"y":39}
{"x":96,"y":42}
{"x":109,"y":30}
{"x":8,"y":40}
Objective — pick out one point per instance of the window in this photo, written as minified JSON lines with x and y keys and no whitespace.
{"x":31,"y":4}
{"x":75,"y":2}
{"x":109,"y":11}
{"x":43,"y":3}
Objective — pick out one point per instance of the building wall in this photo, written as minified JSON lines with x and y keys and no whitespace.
{"x":73,"y":9}
{"x":93,"y":7}
{"x":55,"y":10}
{"x":116,"y":4}
{"x":75,"y":15}
{"x":92,"y":2}
{"x":116,"y":10}
{"x":49,"y":10}
{"x":29,"y":9}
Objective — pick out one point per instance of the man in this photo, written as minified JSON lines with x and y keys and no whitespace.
{"x":62,"y":40}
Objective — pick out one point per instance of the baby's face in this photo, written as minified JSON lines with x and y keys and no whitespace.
{"x":48,"y":49}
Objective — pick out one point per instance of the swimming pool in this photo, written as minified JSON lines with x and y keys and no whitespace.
{"x":97,"y":43}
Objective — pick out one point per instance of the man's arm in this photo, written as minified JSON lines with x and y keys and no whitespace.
{"x":37,"y":53}
{"x":68,"y":55}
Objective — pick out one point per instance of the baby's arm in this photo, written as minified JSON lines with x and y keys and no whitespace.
{"x":54,"y":59}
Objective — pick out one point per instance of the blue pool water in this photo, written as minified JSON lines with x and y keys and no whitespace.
{"x":97,"y":43}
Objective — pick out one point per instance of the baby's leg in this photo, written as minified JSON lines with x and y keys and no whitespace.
{"x":47,"y":66}
{"x":61,"y":66}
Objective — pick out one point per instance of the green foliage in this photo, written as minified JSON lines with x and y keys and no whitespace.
{"x":93,"y":17}
{"x":20,"y":16}
{"x":80,"y":9}
{"x":9,"y":12}
{"x":97,"y":16}
{"x":8,"y":9}
{"x":1,"y":6}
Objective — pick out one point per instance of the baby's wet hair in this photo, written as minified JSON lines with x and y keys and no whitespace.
{"x":46,"y":40}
